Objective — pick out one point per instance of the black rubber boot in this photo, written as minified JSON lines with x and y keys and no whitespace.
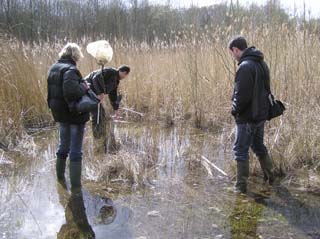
{"x":60,"y":169}
{"x":75,"y":175}
{"x":242,"y":176}
{"x":267,"y":169}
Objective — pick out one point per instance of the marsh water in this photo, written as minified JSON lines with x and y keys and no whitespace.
{"x":172,"y":192}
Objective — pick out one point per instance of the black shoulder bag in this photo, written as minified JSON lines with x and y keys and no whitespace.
{"x":87,"y":103}
{"x":276,"y":109}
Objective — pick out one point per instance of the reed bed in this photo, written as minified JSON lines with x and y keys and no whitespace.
{"x":187,"y":79}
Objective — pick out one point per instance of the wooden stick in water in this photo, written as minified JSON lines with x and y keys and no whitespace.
{"x":215,"y":166}
{"x":132,"y":111}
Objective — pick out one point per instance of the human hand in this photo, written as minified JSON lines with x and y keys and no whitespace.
{"x":117,"y":115}
{"x":85,"y":85}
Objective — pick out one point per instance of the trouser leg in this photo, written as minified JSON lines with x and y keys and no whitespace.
{"x":63,"y":150}
{"x":77,"y":134}
{"x":241,"y":154}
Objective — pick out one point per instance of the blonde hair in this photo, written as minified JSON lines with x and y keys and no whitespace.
{"x":72,"y":50}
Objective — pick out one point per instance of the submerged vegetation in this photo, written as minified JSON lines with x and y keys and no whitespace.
{"x":185,"y":78}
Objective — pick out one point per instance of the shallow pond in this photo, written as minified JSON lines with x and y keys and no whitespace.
{"x":172,"y":192}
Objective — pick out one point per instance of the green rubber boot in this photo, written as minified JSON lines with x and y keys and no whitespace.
{"x":242,"y":176}
{"x":75,"y":175}
{"x":60,"y":169}
{"x":267,"y":169}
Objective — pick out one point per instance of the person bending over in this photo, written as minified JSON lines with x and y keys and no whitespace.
{"x":104,"y":83}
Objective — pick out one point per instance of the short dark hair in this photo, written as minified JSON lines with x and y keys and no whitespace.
{"x":238,"y":42}
{"x":124,"y":69}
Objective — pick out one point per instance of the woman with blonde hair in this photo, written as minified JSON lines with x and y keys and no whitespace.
{"x":65,"y":86}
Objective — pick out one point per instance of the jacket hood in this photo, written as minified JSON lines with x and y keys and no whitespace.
{"x":253,"y":54}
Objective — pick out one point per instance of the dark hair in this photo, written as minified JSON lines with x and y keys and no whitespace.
{"x":124,"y":69}
{"x":238,"y":42}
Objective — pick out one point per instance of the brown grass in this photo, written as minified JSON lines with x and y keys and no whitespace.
{"x":190,"y":79}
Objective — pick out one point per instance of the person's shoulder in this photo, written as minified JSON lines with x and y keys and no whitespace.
{"x":56,"y":66}
{"x":72,"y":71}
{"x":72,"y":68}
{"x":248,"y":63}
{"x":246,"y":69}
{"x":110,"y":73}
{"x":245,"y":66}
{"x":110,"y":70}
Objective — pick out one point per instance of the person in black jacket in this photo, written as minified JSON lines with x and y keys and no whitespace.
{"x":102,"y":84}
{"x":250,"y":107}
{"x":65,"y":86}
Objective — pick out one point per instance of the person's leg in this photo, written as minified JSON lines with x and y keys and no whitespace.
{"x":241,"y":154}
{"x":261,"y":152}
{"x":63,"y":150}
{"x":77,"y":134}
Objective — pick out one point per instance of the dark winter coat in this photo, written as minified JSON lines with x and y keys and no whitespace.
{"x":108,"y":84}
{"x":65,"y":86}
{"x":252,"y":86}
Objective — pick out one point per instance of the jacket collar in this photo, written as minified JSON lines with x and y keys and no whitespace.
{"x":67,"y":60}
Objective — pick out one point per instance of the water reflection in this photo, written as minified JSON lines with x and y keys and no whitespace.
{"x":89,"y":216}
{"x":77,"y":225}
{"x":108,"y":219}
{"x":110,"y":141}
{"x":104,"y":138}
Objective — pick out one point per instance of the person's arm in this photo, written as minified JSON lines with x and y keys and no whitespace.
{"x":113,"y":97}
{"x":72,"y":89}
{"x":243,"y":90}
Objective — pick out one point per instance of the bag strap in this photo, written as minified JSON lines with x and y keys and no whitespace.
{"x":267,"y":84}
{"x":266,"y":77}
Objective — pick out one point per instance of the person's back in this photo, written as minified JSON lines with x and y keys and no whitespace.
{"x":104,"y":83}
{"x":65,"y":87}
{"x":252,"y":87}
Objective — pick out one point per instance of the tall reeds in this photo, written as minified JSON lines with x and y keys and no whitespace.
{"x":187,"y":79}
{"x":22,"y":93}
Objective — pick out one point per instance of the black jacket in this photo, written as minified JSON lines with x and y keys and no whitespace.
{"x":64,"y":86}
{"x":252,"y":86}
{"x":108,"y":84}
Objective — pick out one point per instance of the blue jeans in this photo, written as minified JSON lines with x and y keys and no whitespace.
{"x":249,"y":135}
{"x":70,"y":141}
